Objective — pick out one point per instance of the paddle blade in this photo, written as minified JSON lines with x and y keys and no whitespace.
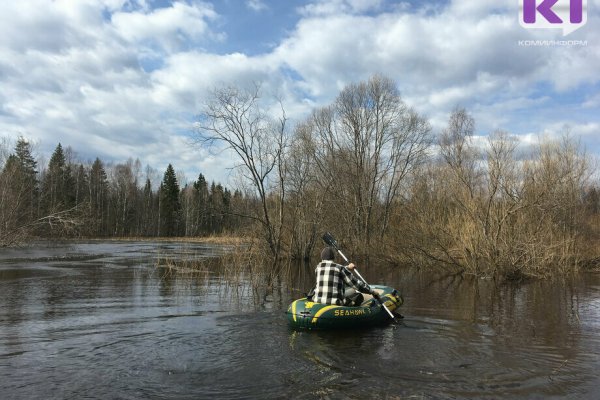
{"x":329,"y":239}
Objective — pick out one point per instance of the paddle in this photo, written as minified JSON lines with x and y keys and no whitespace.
{"x":330,"y":240}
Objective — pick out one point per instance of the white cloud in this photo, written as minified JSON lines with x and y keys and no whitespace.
{"x":256,"y":5}
{"x":439,"y":50}
{"x":335,"y":7}
{"x":170,"y":27}
{"x":586,"y":135}
{"x":583,"y":130}
{"x":187,"y":77}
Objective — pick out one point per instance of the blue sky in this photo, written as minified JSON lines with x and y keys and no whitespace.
{"x":124,"y":78}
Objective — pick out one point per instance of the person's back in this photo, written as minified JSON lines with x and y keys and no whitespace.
{"x":330,"y":285}
{"x":336,"y":283}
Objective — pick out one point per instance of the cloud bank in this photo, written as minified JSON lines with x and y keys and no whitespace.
{"x":118,"y":79}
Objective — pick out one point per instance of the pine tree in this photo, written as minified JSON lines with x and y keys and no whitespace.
{"x":170,"y":206}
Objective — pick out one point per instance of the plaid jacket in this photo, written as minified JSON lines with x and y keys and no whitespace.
{"x":332,"y":280}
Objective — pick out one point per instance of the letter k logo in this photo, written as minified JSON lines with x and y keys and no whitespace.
{"x":567,"y":15}
{"x":545,"y":8}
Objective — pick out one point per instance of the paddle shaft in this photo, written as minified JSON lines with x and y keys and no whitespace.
{"x":363,"y":279}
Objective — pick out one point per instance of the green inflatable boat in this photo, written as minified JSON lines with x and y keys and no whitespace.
{"x":305,"y":314}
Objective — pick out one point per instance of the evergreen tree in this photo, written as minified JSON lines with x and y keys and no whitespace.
{"x":189,"y":211}
{"x":237,"y":206}
{"x":58,"y":188}
{"x":98,"y":198}
{"x":148,"y":210}
{"x":216,"y":205}
{"x":201,"y":197}
{"x":10,"y":166}
{"x":26,"y":178}
{"x":170,"y":206}
{"x":226,"y":210}
{"x":81,"y":185}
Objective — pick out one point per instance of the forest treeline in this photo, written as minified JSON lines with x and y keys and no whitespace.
{"x":367,"y":167}
{"x":66,"y":198}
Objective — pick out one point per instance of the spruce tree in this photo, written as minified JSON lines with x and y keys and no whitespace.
{"x":81,"y":185}
{"x":98,"y":198}
{"x":26,"y":179}
{"x":150,"y":209}
{"x":201,"y":190}
{"x":170,"y":206}
{"x":58,"y":188}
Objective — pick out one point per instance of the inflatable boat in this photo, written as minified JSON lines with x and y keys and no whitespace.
{"x":305,"y":314}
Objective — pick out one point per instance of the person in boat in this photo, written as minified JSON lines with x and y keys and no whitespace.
{"x":336,"y":284}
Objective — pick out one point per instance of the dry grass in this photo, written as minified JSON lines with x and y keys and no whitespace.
{"x":213,"y":239}
{"x":243,"y":271}
{"x":241,"y":258}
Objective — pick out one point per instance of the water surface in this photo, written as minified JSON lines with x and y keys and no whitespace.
{"x":99,"y":320}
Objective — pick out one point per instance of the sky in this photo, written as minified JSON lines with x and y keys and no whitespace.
{"x":120,"y":79}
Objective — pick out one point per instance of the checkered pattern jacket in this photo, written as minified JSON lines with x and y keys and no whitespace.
{"x":332,"y":280}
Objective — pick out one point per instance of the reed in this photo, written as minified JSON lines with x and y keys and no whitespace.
{"x":222,"y":239}
{"x":240,"y":263}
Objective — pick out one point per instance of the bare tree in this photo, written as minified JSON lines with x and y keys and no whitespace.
{"x":489,"y":211}
{"x":365,"y":145}
{"x":124,"y":189}
{"x":306,"y":197}
{"x":235,"y":119}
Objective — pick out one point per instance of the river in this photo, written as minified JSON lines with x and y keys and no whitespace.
{"x":99,"y":320}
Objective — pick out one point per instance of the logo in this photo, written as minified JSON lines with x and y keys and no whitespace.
{"x":567,"y":15}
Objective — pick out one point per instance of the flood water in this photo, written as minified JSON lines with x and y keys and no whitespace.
{"x":99,"y":320}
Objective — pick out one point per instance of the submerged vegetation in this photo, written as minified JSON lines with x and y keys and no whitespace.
{"x":367,"y":167}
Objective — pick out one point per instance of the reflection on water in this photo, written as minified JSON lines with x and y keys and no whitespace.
{"x":98,"y":320}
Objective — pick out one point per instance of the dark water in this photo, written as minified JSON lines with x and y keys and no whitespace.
{"x":99,"y":320}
